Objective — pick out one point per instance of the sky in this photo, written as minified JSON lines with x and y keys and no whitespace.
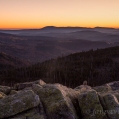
{"x":24,"y":14}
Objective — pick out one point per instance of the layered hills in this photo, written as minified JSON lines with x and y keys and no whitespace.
{"x":38,"y":46}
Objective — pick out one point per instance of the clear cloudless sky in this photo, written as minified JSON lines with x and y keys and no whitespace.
{"x":40,"y":13}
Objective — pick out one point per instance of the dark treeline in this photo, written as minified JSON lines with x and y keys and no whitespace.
{"x":97,"y":67}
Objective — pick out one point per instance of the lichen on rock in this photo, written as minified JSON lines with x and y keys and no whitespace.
{"x":38,"y":100}
{"x":90,"y":105}
{"x":17,"y":103}
{"x":56,"y":101}
{"x":111,"y":105}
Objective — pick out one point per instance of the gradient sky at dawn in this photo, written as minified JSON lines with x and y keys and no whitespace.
{"x":40,"y":13}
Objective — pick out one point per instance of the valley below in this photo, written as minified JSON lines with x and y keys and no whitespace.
{"x":50,"y":42}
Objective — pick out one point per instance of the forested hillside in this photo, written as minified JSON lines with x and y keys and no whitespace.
{"x":97,"y":67}
{"x":10,"y":62}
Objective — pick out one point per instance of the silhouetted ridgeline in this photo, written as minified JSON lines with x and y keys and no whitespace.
{"x":97,"y":67}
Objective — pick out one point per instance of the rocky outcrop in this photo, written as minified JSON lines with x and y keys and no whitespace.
{"x":38,"y":100}
{"x":109,"y":98}
{"x":14,"y":104}
{"x":111,"y":105}
{"x":89,"y":103}
{"x":20,"y":86}
{"x":58,"y":101}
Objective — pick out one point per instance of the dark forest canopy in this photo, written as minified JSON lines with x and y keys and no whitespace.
{"x":97,"y":67}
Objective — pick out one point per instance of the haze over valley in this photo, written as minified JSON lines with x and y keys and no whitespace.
{"x":38,"y":45}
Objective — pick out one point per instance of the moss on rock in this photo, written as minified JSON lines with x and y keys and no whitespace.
{"x":30,"y":114}
{"x":111,"y":105}
{"x":14,"y":104}
{"x":56,"y":101}
{"x":90,"y":105}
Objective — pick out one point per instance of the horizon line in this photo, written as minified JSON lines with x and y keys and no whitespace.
{"x":57,"y":27}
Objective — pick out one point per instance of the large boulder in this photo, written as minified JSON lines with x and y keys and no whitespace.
{"x":5,"y":89}
{"x":90,"y":105}
{"x":20,"y":86}
{"x":19,"y":102}
{"x":111,"y":105}
{"x":58,"y":101}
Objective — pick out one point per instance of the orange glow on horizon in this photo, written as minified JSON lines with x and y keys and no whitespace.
{"x":35,"y":14}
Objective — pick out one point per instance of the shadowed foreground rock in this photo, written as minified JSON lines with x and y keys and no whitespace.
{"x":14,"y":104}
{"x":111,"y":105}
{"x":90,"y":105}
{"x":38,"y":100}
{"x":34,"y":113}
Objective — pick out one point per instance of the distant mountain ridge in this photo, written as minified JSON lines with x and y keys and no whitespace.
{"x":68,"y":27}
{"x":57,"y":29}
